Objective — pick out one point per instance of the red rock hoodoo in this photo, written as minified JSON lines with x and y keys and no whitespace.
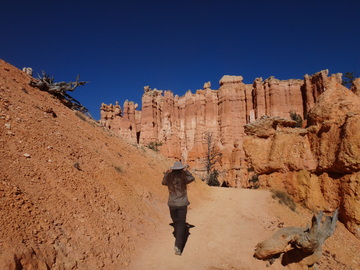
{"x":318,"y":162}
{"x":178,"y":124}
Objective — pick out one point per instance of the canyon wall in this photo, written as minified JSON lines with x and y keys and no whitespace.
{"x":177,"y":125}
{"x":319,"y":166}
{"x":317,"y":163}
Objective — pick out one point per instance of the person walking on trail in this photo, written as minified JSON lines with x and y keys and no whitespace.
{"x":176,"y":179}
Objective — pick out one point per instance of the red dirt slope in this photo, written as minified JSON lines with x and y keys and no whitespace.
{"x":72,"y":195}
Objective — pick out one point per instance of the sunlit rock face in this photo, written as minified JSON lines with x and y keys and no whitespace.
{"x":277,"y":97}
{"x":177,"y":125}
{"x":274,"y":144}
{"x":355,"y":88}
{"x":317,"y":160}
{"x":318,"y":165}
{"x":334,"y":129}
{"x":329,"y":143}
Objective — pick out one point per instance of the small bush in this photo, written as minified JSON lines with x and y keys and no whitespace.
{"x":250,"y":169}
{"x":348,"y":79}
{"x":154,"y":146}
{"x":213,"y":179}
{"x":284,"y":198}
{"x":254,"y":182}
{"x":297,"y":118}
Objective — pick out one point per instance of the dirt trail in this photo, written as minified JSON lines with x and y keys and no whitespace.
{"x":227,"y":228}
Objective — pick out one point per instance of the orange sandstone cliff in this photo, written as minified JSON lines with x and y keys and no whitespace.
{"x":179,"y":124}
{"x":318,"y":163}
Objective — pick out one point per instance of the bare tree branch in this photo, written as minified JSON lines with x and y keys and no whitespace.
{"x":212,"y":155}
{"x":59,"y":89}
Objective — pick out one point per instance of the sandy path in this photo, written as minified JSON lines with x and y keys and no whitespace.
{"x":227,"y":228}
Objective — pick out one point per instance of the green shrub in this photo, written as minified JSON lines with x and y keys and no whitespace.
{"x":297,"y":118}
{"x":154,"y":146}
{"x":348,"y":79}
{"x":254,"y":182}
{"x":213,"y":178}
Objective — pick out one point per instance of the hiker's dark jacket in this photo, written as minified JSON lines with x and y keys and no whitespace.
{"x":178,"y":198}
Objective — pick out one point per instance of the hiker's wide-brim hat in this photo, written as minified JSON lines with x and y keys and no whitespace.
{"x":178,"y":166}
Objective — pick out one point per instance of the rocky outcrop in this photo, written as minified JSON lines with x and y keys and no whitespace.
{"x":324,"y":191}
{"x":334,"y":129}
{"x":350,"y":203}
{"x":237,"y":173}
{"x":178,"y":123}
{"x":122,"y":122}
{"x":318,"y":165}
{"x":275,"y":145}
{"x":317,"y":161}
{"x":356,"y":87}
{"x":277,"y":97}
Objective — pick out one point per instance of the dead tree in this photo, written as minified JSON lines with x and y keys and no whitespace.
{"x":300,"y":245}
{"x":59,"y":89}
{"x":212,"y":156}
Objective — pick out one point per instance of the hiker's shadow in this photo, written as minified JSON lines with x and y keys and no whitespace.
{"x":185,"y":234}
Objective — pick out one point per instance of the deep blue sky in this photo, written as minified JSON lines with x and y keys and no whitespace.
{"x":121,"y":46}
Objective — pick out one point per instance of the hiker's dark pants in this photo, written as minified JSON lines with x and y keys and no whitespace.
{"x":178,"y":216}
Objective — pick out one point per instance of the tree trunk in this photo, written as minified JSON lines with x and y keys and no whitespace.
{"x":298,"y":245}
